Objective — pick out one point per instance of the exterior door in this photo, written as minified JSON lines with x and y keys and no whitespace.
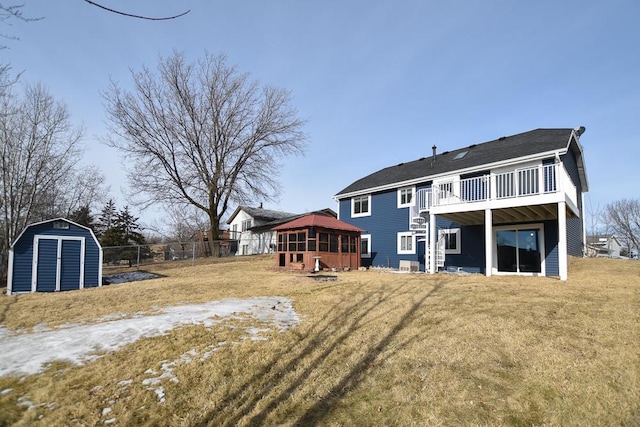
{"x":47,"y":264}
{"x":519,"y":250}
{"x":57,"y":263}
{"x":70,"y":265}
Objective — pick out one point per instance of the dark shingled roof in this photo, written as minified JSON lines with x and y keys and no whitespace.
{"x":317,"y":220}
{"x":505,"y":148}
{"x":260,"y":213}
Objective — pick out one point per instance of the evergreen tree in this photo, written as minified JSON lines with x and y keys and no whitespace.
{"x":120,"y":229}
{"x":83,"y":216}
{"x":128,"y":227}
{"x":107,"y":217}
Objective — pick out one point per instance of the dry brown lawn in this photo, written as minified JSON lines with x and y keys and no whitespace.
{"x":372,"y":348}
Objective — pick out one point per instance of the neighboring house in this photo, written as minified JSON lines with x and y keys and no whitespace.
{"x":509,"y":206}
{"x":603,"y":246}
{"x":318,"y":241}
{"x":252,"y":228}
{"x":245,"y":227}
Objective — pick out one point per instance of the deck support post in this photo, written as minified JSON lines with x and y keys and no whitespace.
{"x":433,"y":247}
{"x":563,"y":263}
{"x":488,"y":242}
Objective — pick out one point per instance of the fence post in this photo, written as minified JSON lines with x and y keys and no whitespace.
{"x":138,"y":263}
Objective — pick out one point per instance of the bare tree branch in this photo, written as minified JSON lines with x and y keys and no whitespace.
{"x":202,"y":134}
{"x":9,"y":12}
{"x":137,"y":16}
{"x":39,"y":153}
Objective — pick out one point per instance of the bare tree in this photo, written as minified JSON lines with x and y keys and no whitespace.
{"x":202,"y":134}
{"x":596,"y":224}
{"x":185,"y":223}
{"x":623,"y":216}
{"x":81,"y":186}
{"x":38,"y":152}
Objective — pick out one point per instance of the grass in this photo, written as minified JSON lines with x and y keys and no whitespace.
{"x":373,"y":348}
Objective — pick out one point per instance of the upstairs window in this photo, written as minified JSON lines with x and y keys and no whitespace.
{"x":246,"y":224}
{"x":361,"y":206}
{"x":405,"y":195}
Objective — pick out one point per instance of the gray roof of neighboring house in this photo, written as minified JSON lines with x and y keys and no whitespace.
{"x":260,"y":213}
{"x":510,"y":147}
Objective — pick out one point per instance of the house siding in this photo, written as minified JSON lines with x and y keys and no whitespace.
{"x":384,"y":224}
{"x":471,"y":258}
{"x":575,"y":231}
{"x":552,"y":261}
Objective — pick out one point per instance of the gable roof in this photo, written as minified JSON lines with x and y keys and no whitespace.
{"x":35,"y":224}
{"x":317,"y":220}
{"x":259,"y":213}
{"x":522,"y":145}
{"x":269,"y":225}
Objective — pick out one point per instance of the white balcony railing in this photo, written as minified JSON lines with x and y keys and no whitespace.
{"x":522,"y":182}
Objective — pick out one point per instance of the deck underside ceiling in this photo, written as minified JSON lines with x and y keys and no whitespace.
{"x":512,"y":215}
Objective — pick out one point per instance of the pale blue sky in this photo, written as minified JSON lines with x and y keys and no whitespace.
{"x":379,"y":82}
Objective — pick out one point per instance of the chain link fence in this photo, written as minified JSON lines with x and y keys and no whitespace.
{"x":117,"y":257}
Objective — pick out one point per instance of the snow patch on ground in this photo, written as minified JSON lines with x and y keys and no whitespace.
{"x":129,"y":276}
{"x":29,"y":353}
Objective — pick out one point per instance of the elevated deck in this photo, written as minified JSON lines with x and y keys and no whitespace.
{"x":521,"y":194}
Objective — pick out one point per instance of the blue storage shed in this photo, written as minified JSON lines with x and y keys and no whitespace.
{"x":54,"y":255}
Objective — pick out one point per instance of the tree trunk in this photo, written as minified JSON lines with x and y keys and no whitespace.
{"x":214,"y":242}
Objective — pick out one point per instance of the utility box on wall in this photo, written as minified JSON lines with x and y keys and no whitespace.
{"x":409,"y":265}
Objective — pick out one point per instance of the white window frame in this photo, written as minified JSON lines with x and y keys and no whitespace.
{"x":402,"y":191}
{"x":457,"y":233}
{"x":412,"y":239}
{"x":543,"y":258}
{"x":368,"y":253}
{"x":353,"y":205}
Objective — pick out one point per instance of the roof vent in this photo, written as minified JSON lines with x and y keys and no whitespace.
{"x":502,"y":138}
{"x":435,"y":149}
{"x":580,"y":130}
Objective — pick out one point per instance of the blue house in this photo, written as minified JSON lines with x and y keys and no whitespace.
{"x":54,"y":255}
{"x":509,"y":206}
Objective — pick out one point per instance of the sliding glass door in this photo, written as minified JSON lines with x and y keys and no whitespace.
{"x":519,"y":250}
